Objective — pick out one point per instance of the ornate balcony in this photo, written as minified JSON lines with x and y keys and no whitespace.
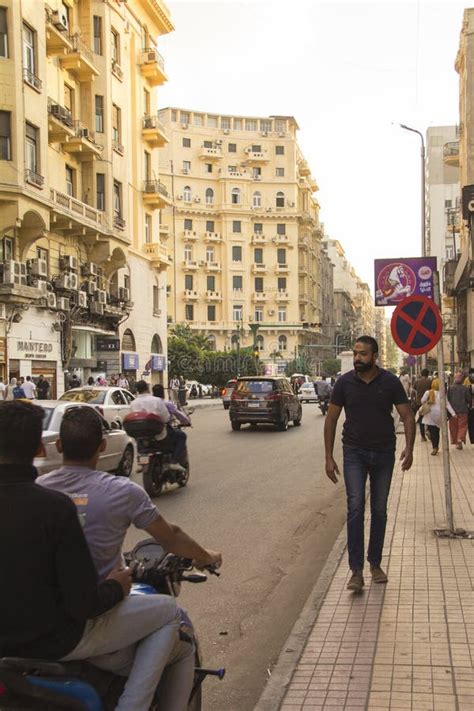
{"x":190,"y":295}
{"x":190,"y":235}
{"x":256,"y":156}
{"x":34,"y":178}
{"x":282,"y":268}
{"x":152,"y":66}
{"x":303,"y":168}
{"x":79,"y":61}
{"x":213,"y":267}
{"x":190,"y":265}
{"x":282,"y":295}
{"x":451,"y":154}
{"x":213,"y":296}
{"x":214,"y":153}
{"x":155,"y":194}
{"x":213,"y":237}
{"x":153,"y":132}
{"x":259,"y":296}
{"x":158,"y":255}
{"x":82,"y":143}
{"x":58,"y":42}
{"x":258,"y":268}
{"x":258,"y":238}
{"x":32,"y":80}
{"x":70,"y":214}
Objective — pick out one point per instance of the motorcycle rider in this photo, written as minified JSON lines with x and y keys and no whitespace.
{"x":53,"y":605}
{"x":107,"y":505}
{"x":323,"y":391}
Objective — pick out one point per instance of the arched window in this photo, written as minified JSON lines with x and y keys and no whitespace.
{"x":187,"y":194}
{"x":260,"y":343}
{"x":235,"y":196}
{"x":257,"y":199}
{"x":280,"y":199}
{"x":282,"y":343}
{"x":156,"y":344}
{"x":209,"y":196}
{"x":128,"y":341}
{"x":234,"y":341}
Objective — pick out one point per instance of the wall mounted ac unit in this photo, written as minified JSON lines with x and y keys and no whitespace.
{"x":264,"y":133}
{"x":89,"y":269}
{"x":90,"y":287}
{"x":179,"y":197}
{"x":68,"y":262}
{"x":82,"y":300}
{"x":42,"y":287}
{"x":226,"y":131}
{"x":271,"y":312}
{"x":101,"y":296}
{"x":13,"y":273}
{"x":96,"y":308}
{"x":197,"y":199}
{"x":59,"y":21}
{"x":83,"y":132}
{"x":37,"y":267}
{"x":63,"y":304}
{"x":51,"y":300}
{"x":219,"y":142}
{"x":184,"y":126}
{"x":3,"y":312}
{"x":291,"y":204}
{"x":63,"y":282}
{"x":73,"y":281}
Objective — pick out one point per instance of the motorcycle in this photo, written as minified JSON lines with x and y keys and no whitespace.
{"x":324,"y":404}
{"x":152,"y":457}
{"x":37,"y":685}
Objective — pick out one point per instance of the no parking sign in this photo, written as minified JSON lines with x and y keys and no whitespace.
{"x":416,"y":325}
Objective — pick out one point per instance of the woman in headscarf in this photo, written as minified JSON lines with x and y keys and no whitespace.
{"x":433,"y":418}
{"x":10,"y":388}
{"x":460,"y":398}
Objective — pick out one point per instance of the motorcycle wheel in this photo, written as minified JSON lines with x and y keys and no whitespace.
{"x":152,"y":479}
{"x":184,"y":478}
{"x":196,"y":702}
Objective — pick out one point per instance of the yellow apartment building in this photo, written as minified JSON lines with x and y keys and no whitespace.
{"x":82,"y":275}
{"x":243,"y":233}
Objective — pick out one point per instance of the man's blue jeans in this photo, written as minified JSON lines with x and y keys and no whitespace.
{"x":358,"y":464}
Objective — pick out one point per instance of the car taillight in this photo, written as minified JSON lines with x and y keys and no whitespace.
{"x":272,"y":396}
{"x":236,"y":395}
{"x":223,"y":392}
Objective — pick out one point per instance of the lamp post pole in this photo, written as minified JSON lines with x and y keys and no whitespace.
{"x":423,"y":196}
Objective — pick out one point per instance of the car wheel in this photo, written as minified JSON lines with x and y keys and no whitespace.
{"x":283,"y":424}
{"x":126,"y":463}
{"x":297,"y":420}
{"x":235,"y":425}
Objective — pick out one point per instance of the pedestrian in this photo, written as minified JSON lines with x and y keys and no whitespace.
{"x":174,"y":387}
{"x":18,"y":391}
{"x":182,"y":391}
{"x":406,"y":382}
{"x":90,"y":381}
{"x":2,"y":390}
{"x":29,"y":388}
{"x":9,"y":389}
{"x":469,"y":384}
{"x":123,"y":381}
{"x":74,"y":382}
{"x":367,"y":394}
{"x":431,"y":412}
{"x":421,"y":385}
{"x":460,"y":399}
{"x":42,"y":388}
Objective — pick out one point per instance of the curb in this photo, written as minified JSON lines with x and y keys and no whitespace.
{"x":282,"y":672}
{"x":205,"y":405}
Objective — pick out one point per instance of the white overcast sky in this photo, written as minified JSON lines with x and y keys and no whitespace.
{"x":347,"y":71}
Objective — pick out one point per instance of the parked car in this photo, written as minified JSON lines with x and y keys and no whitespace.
{"x":307,"y":393}
{"x":112,"y":403}
{"x":227,"y":391}
{"x":264,"y":400}
{"x":117,"y":457}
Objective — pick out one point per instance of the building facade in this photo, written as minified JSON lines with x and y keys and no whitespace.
{"x":244,"y":234}
{"x":81,"y":272}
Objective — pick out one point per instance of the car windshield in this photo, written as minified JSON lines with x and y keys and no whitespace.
{"x":255,"y":386}
{"x":48,"y":414}
{"x":93,"y":397}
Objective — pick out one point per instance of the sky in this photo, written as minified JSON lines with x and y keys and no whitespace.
{"x":349,"y":72}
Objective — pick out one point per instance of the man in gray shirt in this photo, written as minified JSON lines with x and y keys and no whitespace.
{"x":106,"y":506}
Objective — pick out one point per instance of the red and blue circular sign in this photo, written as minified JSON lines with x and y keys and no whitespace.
{"x":416,"y":325}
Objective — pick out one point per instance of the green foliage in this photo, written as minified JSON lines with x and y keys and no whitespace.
{"x":330,"y":366}
{"x":298,"y":365}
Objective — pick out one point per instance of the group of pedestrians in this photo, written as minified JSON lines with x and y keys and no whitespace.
{"x":24,"y":388}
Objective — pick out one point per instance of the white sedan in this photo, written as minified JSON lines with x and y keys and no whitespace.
{"x":113,"y":403}
{"x":117,"y":456}
{"x":307,"y":393}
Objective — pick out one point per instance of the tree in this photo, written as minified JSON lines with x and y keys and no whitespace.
{"x":331,"y":366}
{"x":184,"y":331}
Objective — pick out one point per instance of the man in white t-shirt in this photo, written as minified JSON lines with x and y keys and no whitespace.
{"x":2,"y":390}
{"x":29,"y":388}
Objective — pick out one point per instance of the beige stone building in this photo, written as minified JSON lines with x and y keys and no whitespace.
{"x":244,"y":232}
{"x":82,"y":273}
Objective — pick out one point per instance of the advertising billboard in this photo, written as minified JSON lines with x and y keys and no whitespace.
{"x":398,"y":278}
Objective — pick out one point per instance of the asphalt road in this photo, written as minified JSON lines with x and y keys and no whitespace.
{"x":263,"y":499}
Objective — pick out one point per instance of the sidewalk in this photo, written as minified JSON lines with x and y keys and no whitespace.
{"x":405,"y":645}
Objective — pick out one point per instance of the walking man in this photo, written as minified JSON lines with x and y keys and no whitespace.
{"x":29,"y":388}
{"x":422,"y":384}
{"x":367,"y":394}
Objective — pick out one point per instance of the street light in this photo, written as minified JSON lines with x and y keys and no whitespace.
{"x":423,"y":197}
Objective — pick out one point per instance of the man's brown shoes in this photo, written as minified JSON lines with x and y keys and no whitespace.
{"x":356,"y":583}
{"x":378,"y":575}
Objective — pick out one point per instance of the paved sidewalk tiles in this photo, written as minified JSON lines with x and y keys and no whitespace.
{"x":408,"y":644}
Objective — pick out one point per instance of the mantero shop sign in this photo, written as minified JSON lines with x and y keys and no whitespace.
{"x":33,"y":350}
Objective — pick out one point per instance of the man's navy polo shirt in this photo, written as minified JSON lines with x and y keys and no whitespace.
{"x":368,"y":408}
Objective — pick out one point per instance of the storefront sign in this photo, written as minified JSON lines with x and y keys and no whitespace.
{"x":107,"y":344}
{"x":24,"y":349}
{"x":158,"y":362}
{"x":130,"y":361}
{"x":397,"y":279}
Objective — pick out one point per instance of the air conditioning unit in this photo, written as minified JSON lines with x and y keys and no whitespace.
{"x":68,"y":262}
{"x":59,"y":21}
{"x":63,"y":282}
{"x":271,"y":312}
{"x":197,"y":199}
{"x":3,"y":312}
{"x":96,"y":308}
{"x":282,"y":134}
{"x":82,"y":300}
{"x":73,"y":281}
{"x":202,"y":262}
{"x":226,"y":131}
{"x":101,"y":296}
{"x":63,"y":304}
{"x":37,"y":267}
{"x":184,"y":126}
{"x":42,"y":287}
{"x":264,"y":133}
{"x":257,"y":177}
{"x":90,"y":287}
{"x":269,"y":209}
{"x":274,"y":239}
{"x":149,"y":122}
{"x":89,"y":269}
{"x":83,"y":132}
{"x":219,"y":142}
{"x":248,"y":150}
{"x":13,"y":273}
{"x":124,"y":294}
{"x":32,"y":280}
{"x":179,"y":197}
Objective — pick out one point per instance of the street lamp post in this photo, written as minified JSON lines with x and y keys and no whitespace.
{"x":423,"y":196}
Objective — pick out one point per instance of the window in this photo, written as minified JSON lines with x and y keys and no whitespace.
{"x":257,"y":200}
{"x":280,"y":126}
{"x":210,"y":254}
{"x":250,"y":125}
{"x":99,"y":113}
{"x":156,"y":299}
{"x":116,"y":121}
{"x":186,"y":143}
{"x":7,"y":249}
{"x":259,"y":284}
{"x":148,"y":229}
{"x":187,"y":194}
{"x":209,"y":224}
{"x":146,"y":102}
{"x":281,"y":229}
{"x":3,"y":32}
{"x":117,"y":198}
{"x":198,"y":120}
{"x":237,"y":312}
{"x":238,"y":124}
{"x":208,"y":167}
{"x":237,"y":283}
{"x":211,"y":283}
{"x":211,"y":312}
{"x":5,"y":136}
{"x":188,"y":224}
{"x":225,"y":123}
{"x":235,"y":196}
{"x":282,"y":343}
{"x":100,"y":191}
{"x":282,"y":314}
{"x":97,"y":34}
{"x":258,"y":255}
{"x":256,"y":148}
{"x":115,"y":46}
{"x":448,"y":203}
{"x":258,"y":314}
{"x":232,"y":169}
{"x":188,"y":282}
{"x":280,"y":172}
{"x":188,"y":253}
{"x":69,"y":99}
{"x":281,"y":283}
{"x":280,"y":199}
{"x":236,"y":253}
{"x":208,"y":144}
{"x":260,"y":343}
{"x":43,"y":254}
{"x":31,"y":148}
{"x":212,"y":121}
{"x":184,"y":117}
{"x":29,"y":50}
{"x":174,"y":115}
{"x":147,"y":164}
{"x":189,"y":312}
{"x":232,"y":147}
{"x":70,"y":180}
{"x":236,"y":226}
{"x":281,"y":256}
{"x":186,"y":166}
{"x":280,"y":150}
{"x":256,"y":172}
{"x":258,"y":228}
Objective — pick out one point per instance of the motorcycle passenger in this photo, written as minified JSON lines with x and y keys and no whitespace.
{"x":53,"y":605}
{"x":158,"y":390}
{"x":169,"y":438}
{"x":107,"y":505}
{"x":323,"y":390}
